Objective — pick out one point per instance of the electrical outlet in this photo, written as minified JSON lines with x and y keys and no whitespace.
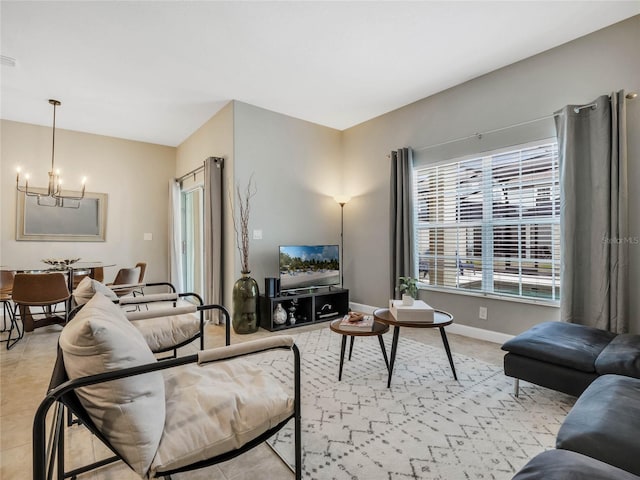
{"x":482,"y":314}
{"x":257,"y":234}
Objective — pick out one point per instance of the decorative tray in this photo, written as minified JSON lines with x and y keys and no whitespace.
{"x":60,"y":263}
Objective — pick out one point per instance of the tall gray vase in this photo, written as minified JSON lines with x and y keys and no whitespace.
{"x":245,"y":305}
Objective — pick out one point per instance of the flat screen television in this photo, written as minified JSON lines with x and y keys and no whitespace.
{"x":309,"y":266}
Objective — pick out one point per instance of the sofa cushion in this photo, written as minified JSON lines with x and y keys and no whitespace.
{"x":567,"y":465}
{"x":560,"y":343}
{"x":88,"y":287}
{"x":216,"y":408}
{"x":130,"y":411}
{"x":604,"y":423}
{"x":621,"y":356}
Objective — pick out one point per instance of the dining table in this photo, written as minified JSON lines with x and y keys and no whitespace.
{"x":71,"y":271}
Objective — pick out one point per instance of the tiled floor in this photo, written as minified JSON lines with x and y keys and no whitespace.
{"x":24,"y":375}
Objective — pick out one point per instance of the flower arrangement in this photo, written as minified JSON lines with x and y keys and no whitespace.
{"x":241,"y":223}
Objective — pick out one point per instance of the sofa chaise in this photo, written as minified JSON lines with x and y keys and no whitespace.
{"x":567,"y":357}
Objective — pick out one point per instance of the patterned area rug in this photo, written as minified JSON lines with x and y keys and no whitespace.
{"x":426,"y":426}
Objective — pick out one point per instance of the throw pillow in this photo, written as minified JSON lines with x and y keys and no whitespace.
{"x":88,"y":287}
{"x":130,"y":411}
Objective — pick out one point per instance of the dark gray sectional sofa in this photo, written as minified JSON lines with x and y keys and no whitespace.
{"x":599,"y":439}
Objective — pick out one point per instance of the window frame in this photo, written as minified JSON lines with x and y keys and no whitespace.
{"x":488,"y":256}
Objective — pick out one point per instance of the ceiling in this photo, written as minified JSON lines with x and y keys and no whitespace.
{"x":156,"y":71}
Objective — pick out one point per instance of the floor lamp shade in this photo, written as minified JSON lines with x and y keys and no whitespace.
{"x":342,"y":201}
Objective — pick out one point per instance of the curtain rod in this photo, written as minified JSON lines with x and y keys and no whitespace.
{"x":478,"y":135}
{"x":193,"y":172}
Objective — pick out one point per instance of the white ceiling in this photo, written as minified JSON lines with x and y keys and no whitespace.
{"x":156,"y":71}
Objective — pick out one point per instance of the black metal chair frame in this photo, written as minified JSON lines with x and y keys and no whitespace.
{"x":201,"y":307}
{"x":49,"y":454}
{"x":6,"y":306}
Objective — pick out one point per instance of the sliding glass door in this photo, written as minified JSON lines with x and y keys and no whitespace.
{"x":193,"y":239}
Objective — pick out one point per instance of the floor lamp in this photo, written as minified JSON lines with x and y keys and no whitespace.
{"x":342,"y":201}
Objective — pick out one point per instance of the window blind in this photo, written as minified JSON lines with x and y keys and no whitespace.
{"x":491,"y":223}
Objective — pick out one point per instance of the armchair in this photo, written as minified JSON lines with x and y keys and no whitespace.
{"x":164,"y":328}
{"x":160,"y":417}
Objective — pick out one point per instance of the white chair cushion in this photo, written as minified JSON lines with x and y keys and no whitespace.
{"x":216,"y":408}
{"x":131,"y":411}
{"x":163,"y":333}
{"x":88,"y":287}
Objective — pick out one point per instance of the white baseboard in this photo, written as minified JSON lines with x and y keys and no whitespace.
{"x":455,"y":328}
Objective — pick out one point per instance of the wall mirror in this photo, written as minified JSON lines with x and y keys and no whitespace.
{"x":86,"y":223}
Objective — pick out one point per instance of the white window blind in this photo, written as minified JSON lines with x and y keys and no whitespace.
{"x":491,"y":223}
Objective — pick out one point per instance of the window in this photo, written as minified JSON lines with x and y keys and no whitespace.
{"x":491,"y":224}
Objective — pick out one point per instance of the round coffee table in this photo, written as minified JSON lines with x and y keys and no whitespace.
{"x":440,"y":320}
{"x":379,"y":329}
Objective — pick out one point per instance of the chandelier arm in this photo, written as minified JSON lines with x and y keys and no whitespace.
{"x":54,"y":187}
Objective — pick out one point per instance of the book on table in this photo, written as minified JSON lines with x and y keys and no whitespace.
{"x":357,"y":323}
{"x":419,"y":311}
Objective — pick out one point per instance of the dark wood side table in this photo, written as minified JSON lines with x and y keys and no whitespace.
{"x":379,"y":329}
{"x":441,"y":319}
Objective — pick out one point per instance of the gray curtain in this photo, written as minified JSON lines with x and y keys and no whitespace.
{"x":401,"y":215}
{"x":175,"y":236}
{"x":594,"y":232}
{"x":213,"y":222}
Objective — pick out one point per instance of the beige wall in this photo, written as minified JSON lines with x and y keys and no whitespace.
{"x":135,"y":176}
{"x":214,"y":139}
{"x":576,"y":72}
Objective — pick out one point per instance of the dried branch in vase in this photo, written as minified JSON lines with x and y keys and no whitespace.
{"x":242,"y":230}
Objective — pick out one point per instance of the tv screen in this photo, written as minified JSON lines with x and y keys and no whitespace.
{"x":306,"y":266}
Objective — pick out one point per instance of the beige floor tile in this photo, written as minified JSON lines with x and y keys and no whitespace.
{"x":261,"y":462}
{"x":15,"y":464}
{"x":16,"y":430}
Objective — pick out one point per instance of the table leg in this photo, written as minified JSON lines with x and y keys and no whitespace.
{"x":342,"y":349}
{"x":27,"y":319}
{"x":448,"y":350}
{"x":351,"y":346}
{"x":394,"y":347}
{"x":384,"y":351}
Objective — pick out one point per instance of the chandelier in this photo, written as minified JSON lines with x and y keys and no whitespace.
{"x":54,"y":196}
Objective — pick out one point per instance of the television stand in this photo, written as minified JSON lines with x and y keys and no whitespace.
{"x":305,"y":307}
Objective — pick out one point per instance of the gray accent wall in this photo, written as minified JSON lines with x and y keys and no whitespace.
{"x":296,"y":166}
{"x":577,"y":72}
{"x":297,"y":169}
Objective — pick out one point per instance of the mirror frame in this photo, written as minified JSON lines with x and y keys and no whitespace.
{"x":22,"y":235}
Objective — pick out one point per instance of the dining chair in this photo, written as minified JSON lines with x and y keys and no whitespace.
{"x":6,"y":287}
{"x":143,"y":269}
{"x":44,"y":290}
{"x":126,"y":276}
{"x":96,"y":273}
